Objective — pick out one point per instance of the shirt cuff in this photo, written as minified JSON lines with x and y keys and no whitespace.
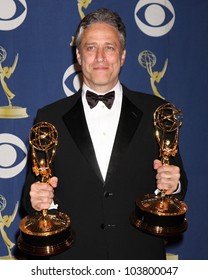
{"x":178,"y":190}
{"x":53,"y":206}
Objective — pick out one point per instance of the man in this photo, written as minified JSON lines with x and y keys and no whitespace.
{"x":106,"y":155}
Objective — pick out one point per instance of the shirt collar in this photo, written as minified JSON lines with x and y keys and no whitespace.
{"x":117,"y":88}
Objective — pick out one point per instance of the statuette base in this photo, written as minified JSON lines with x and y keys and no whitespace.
{"x":14,"y":112}
{"x":43,"y":236}
{"x":160,"y":216}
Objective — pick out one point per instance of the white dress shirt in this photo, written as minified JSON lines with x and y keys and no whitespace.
{"x":102,"y":124}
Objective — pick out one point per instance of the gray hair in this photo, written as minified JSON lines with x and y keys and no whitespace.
{"x":102,"y":16}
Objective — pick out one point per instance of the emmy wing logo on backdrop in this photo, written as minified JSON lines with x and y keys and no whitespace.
{"x":13,"y":155}
{"x":9,"y":112}
{"x":147,"y":59}
{"x":82,"y":4}
{"x":12,"y":14}
{"x":154,"y":17}
{"x":5,"y":222}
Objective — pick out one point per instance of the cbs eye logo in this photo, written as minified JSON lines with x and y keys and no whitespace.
{"x":72,"y":78}
{"x":154,"y":17}
{"x":12,"y":14}
{"x":13,"y":155}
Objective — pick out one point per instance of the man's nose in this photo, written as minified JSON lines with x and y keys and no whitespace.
{"x":100,"y":55}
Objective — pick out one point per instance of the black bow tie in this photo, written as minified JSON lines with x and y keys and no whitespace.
{"x":93,"y":98}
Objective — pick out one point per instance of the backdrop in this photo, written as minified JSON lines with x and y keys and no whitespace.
{"x":167,"y":47}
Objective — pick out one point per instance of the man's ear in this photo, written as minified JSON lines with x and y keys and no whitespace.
{"x":78,"y":55}
{"x":123,"y":57}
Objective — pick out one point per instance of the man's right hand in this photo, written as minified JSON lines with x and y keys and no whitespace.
{"x":42,"y":194}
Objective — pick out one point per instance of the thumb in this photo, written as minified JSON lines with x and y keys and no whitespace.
{"x":157,"y":163}
{"x":53,"y":181}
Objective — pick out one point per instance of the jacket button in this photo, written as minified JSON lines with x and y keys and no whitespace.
{"x":107,"y":194}
{"x":104,"y":226}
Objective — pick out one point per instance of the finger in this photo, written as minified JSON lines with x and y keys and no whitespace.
{"x":42,"y":199}
{"x":41,"y":205}
{"x":41,"y":195}
{"x":167,"y":184}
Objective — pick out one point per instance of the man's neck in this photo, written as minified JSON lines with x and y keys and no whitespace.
{"x":101,"y":89}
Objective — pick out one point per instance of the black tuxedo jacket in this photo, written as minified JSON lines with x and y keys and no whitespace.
{"x":100,"y":210}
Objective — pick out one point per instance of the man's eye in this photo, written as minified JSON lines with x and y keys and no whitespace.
{"x":110,"y":48}
{"x":90,"y":48}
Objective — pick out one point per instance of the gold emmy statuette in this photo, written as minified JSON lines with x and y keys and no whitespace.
{"x":47,"y":232}
{"x":163,"y":215}
{"x":10,"y":111}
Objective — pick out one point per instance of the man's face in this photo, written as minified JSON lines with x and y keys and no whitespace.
{"x":100,"y":56}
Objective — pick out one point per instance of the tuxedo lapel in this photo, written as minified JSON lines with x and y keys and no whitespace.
{"x":76,"y":123}
{"x":77,"y":126}
{"x":128,"y":123}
